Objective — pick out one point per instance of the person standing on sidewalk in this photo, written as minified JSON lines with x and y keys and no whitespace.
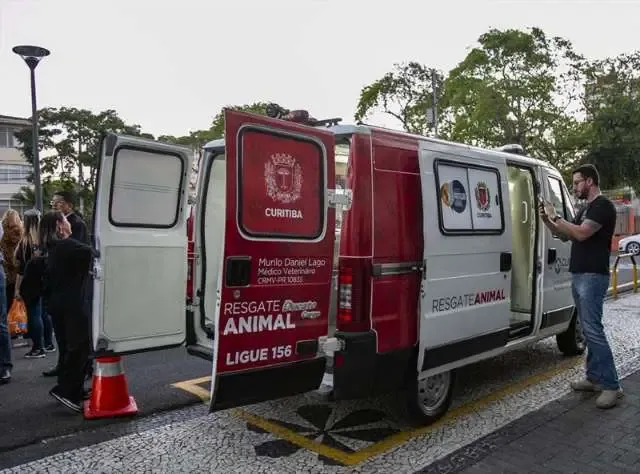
{"x":63,"y":201}
{"x":67,"y":271}
{"x":38,"y":323}
{"x":6,"y":366}
{"x":591,"y":234}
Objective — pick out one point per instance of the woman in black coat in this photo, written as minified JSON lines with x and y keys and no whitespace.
{"x":68,"y":263}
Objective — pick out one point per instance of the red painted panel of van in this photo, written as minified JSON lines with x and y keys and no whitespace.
{"x":292,"y":179}
{"x":397,"y":237}
{"x":356,"y":238}
{"x":395,"y":310}
{"x":287,"y":298}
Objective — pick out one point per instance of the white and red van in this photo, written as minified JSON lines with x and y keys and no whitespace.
{"x":441,"y":259}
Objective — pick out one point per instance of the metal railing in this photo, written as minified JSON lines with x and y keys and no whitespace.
{"x":614,"y":275}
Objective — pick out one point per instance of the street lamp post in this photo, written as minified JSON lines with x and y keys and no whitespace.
{"x":32,"y":56}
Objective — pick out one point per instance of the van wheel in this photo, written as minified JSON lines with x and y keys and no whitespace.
{"x":431,"y":397}
{"x":571,"y":342}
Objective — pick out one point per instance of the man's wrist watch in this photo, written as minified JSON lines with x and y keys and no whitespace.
{"x":555,"y":218}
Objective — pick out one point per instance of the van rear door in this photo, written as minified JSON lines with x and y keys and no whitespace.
{"x":271,"y":322}
{"x":140,"y":232}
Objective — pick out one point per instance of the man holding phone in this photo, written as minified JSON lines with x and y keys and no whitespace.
{"x":591,"y":233}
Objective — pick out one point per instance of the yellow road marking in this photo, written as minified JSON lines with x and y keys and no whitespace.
{"x":295,"y":438}
{"x":192,"y":387}
{"x":392,"y":441}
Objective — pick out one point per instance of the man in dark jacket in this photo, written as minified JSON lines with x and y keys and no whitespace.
{"x":63,"y":201}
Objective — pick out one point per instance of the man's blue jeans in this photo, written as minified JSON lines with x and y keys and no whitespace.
{"x":589,"y":291}
{"x":5,"y":339}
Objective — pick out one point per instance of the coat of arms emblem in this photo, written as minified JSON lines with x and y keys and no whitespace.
{"x":283,"y":178}
{"x":483,"y":196}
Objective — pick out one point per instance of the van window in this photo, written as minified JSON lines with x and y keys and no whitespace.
{"x":144,"y":188}
{"x":469,"y":199}
{"x":282,"y":184}
{"x":560,"y":198}
{"x":342,"y":150}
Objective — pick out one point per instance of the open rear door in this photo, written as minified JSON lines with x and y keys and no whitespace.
{"x":140,"y":232}
{"x":271,"y":322}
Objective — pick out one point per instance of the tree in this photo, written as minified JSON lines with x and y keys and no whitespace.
{"x":404,"y":93}
{"x":508,"y":90}
{"x":69,"y":140}
{"x":612,"y":104}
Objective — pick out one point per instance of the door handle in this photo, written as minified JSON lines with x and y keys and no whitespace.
{"x":505,"y":261}
{"x":238,"y":271}
{"x":525,"y":208}
{"x":552,"y":254}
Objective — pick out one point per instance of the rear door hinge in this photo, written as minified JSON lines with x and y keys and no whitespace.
{"x":328,"y":345}
{"x":193,"y":304}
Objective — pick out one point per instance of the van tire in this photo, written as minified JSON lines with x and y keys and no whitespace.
{"x":423,"y":415}
{"x":571,"y":342}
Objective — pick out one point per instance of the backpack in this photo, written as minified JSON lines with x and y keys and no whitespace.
{"x":33,"y":283}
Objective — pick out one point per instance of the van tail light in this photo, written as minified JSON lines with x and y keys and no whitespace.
{"x":190,"y":257}
{"x":345,"y":280}
{"x":353,"y":300}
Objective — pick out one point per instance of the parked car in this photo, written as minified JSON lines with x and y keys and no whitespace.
{"x":630,"y":244}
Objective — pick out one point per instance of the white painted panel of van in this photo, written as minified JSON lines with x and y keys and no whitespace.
{"x":144,"y":305}
{"x":464,"y":293}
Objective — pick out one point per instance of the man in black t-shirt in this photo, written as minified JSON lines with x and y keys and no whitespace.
{"x":591,"y":233}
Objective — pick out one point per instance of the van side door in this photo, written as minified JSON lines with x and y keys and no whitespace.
{"x":466,"y":286}
{"x":557,"y":304}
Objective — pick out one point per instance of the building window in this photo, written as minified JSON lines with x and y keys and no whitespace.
{"x":14,"y":173}
{"x":7,"y":138}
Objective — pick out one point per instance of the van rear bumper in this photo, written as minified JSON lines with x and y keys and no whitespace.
{"x":359,"y":371}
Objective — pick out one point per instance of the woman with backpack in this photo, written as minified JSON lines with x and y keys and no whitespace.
{"x":67,"y":267}
{"x":38,"y":323}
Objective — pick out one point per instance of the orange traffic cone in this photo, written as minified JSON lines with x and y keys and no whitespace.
{"x":110,"y":393}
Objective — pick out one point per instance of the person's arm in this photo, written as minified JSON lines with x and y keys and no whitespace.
{"x":79,"y":230}
{"x":20,"y":260}
{"x":79,"y":250}
{"x":596,"y":216}
{"x":552,"y":226}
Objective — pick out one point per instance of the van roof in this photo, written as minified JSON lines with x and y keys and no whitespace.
{"x":366,"y":129}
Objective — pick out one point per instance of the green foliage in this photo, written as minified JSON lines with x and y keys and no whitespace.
{"x":508,"y":90}
{"x":404,"y":93}
{"x":612,"y":102}
{"x":69,"y":141}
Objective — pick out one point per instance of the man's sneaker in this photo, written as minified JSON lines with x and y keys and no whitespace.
{"x":75,"y":405}
{"x":35,"y":354}
{"x":585,"y":386}
{"x":50,"y":348}
{"x":609,"y":398}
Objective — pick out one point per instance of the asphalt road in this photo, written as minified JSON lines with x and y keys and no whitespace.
{"x":29,"y":415}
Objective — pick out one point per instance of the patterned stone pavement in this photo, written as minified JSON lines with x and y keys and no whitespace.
{"x":495,"y":424}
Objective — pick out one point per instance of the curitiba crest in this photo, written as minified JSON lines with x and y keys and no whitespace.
{"x":483,"y":196}
{"x":283,"y":178}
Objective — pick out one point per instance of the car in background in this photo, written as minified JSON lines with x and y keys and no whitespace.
{"x":630,"y":244}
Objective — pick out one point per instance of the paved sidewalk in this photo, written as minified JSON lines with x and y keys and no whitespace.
{"x":569,"y":435}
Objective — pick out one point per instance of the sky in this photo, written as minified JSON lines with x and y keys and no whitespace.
{"x":171,"y":66}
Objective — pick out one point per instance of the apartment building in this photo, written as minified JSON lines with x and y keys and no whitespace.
{"x":14,"y":170}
